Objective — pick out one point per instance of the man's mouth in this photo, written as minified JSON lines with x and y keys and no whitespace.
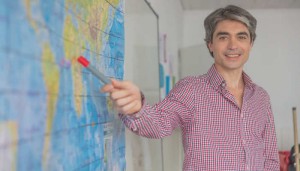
{"x":232,"y":55}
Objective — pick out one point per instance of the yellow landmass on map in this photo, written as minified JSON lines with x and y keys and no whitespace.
{"x":73,"y":49}
{"x":114,"y":2}
{"x":9,"y":137}
{"x":51,"y":77}
{"x":32,"y":22}
{"x":88,"y":36}
{"x":104,"y":18}
{"x":110,"y":106}
{"x":93,"y":28}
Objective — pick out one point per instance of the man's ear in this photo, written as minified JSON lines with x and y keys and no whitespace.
{"x":252,"y":42}
{"x":209,"y":45}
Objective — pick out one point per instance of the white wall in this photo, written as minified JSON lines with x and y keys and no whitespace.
{"x":274,"y":62}
{"x":170,"y":23}
{"x":141,"y":62}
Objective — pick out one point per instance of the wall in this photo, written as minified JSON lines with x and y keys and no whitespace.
{"x":141,"y":62}
{"x":273,"y":64}
{"x":170,"y":23}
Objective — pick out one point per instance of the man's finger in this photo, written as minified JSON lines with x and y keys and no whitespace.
{"x":119,"y":94}
{"x":129,"y":108}
{"x":124,"y":101}
{"x":120,"y":84}
{"x":107,"y":88}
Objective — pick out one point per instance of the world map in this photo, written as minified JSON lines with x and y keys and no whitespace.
{"x":52,"y":113}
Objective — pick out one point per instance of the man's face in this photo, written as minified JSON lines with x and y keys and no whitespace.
{"x":231,"y":44}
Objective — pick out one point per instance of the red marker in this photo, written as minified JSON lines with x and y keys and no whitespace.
{"x":93,"y":70}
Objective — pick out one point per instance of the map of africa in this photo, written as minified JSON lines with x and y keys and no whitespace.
{"x":52,"y":113}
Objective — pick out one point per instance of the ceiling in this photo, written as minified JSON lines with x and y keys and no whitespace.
{"x":248,"y":4}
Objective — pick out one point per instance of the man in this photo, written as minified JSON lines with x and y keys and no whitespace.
{"x":226,"y":119}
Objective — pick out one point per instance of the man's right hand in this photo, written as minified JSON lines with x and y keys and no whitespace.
{"x":125,"y":95}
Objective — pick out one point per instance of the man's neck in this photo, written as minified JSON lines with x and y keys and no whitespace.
{"x":234,"y":83}
{"x":233,"y":78}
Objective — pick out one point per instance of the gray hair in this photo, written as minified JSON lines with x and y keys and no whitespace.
{"x":230,"y":12}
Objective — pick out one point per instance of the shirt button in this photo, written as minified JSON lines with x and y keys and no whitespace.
{"x":242,"y":115}
{"x":244,"y":142}
{"x":223,"y":84}
{"x":247,"y":167}
{"x":134,"y":128}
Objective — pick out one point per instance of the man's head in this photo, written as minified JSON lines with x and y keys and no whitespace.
{"x":230,"y":12}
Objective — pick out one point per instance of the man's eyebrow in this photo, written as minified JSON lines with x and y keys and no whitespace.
{"x":222,"y":33}
{"x":243,"y":33}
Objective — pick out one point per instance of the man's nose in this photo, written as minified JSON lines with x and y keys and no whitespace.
{"x":232,"y":44}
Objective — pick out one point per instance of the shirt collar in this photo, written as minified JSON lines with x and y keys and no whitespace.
{"x":217,"y":81}
{"x":248,"y":82}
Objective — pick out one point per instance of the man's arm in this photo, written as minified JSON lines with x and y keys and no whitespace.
{"x":151,"y":121}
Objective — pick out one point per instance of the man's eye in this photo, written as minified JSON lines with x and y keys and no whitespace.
{"x":242,"y":37}
{"x":222,"y":37}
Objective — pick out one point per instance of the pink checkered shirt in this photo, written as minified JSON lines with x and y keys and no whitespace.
{"x":217,"y":135}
